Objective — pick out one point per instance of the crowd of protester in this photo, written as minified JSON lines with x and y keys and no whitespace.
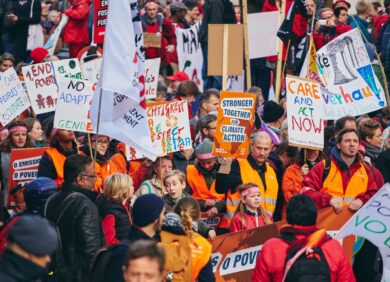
{"x":92,"y":215}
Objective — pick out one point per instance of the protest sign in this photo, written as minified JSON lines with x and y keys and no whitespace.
{"x":91,"y":69}
{"x":152,"y":67}
{"x":234,"y":124}
{"x":73,"y":104}
{"x":41,"y":87}
{"x":235,"y":254}
{"x":51,"y":43}
{"x":13,"y":100}
{"x":134,"y":153}
{"x":372,"y":221}
{"x":169,"y":127}
{"x":189,"y":53}
{"x":304,"y":113}
{"x":235,"y":83}
{"x":269,"y":44}
{"x":152,"y":40}
{"x":69,"y":68}
{"x":100,"y":11}
{"x":351,"y":87}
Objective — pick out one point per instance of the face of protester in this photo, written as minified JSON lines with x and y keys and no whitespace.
{"x":210,"y":130}
{"x":36,"y":132}
{"x":212,"y":105}
{"x":19,"y":139}
{"x":151,"y":13}
{"x":193,"y":14}
{"x":208,"y":164}
{"x":86,"y":180}
{"x":142,"y":269}
{"x":55,"y":18}
{"x":5,"y":65}
{"x":343,"y":16}
{"x":65,"y":135}
{"x":349,"y":145}
{"x":101,"y":145}
{"x":162,"y":167}
{"x":174,"y":187}
{"x":312,"y":155}
{"x":261,"y":148}
{"x":252,"y":201}
{"x":181,"y":14}
{"x":376,"y":139}
{"x":350,"y":124}
{"x":45,"y":9}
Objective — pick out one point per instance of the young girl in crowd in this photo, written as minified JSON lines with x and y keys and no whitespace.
{"x":174,"y":183}
{"x":249,"y":213}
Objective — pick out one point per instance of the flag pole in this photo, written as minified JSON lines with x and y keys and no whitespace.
{"x":278,"y":78}
{"x":246,"y":45}
{"x":98,"y":123}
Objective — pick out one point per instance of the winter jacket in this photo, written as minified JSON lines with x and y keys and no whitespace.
{"x":292,"y":181}
{"x":80,"y":228}
{"x":383,"y":165}
{"x":252,"y":220}
{"x":115,"y":220}
{"x":76,"y":29}
{"x":180,"y":162}
{"x":270,"y":264}
{"x":326,"y":34}
{"x":355,"y":21}
{"x":312,"y":183}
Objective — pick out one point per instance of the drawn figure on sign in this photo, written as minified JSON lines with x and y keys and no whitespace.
{"x":40,"y":101}
{"x":50,"y":102}
{"x":343,"y":47}
{"x":132,"y":154}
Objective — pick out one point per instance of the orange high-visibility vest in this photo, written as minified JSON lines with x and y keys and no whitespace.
{"x":201,"y":254}
{"x":269,"y":197}
{"x":102,"y":172}
{"x":198,"y":185}
{"x":333,"y":183}
{"x":58,"y":160}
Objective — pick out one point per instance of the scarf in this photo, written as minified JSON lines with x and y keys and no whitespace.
{"x":372,"y":152}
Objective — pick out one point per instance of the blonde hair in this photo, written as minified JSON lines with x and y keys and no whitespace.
{"x":175,"y":172}
{"x":189,"y":210}
{"x":118,"y":187}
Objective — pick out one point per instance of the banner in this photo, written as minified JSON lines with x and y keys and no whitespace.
{"x":13,"y":100}
{"x":152,"y":67}
{"x":189,"y":53}
{"x":100,"y":12}
{"x":304,"y":113}
{"x":69,"y":68}
{"x":41,"y":87}
{"x":235,"y":254}
{"x":24,"y":165}
{"x":73,"y":104}
{"x":351,"y":87}
{"x":169,"y":127}
{"x":234,"y":124}
{"x":372,"y":221}
{"x":51,"y":43}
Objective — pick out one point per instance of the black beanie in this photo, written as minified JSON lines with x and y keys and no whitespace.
{"x":146,"y":209}
{"x":272,"y":111}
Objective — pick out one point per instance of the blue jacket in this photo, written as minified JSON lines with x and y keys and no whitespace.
{"x":355,"y":21}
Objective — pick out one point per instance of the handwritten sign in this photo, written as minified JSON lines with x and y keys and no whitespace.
{"x":13,"y":100}
{"x":91,"y":69}
{"x":152,"y":39}
{"x":41,"y":87}
{"x":69,"y":68}
{"x":169,"y":127}
{"x":234,"y":124}
{"x":304,"y":113}
{"x":152,"y":68}
{"x":73,"y":104}
{"x":100,"y":20}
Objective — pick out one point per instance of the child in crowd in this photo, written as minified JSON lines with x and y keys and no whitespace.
{"x":249,"y":213}
{"x":174,"y":183}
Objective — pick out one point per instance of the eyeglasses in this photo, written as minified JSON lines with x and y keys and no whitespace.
{"x":102,"y":142}
{"x":89,"y":176}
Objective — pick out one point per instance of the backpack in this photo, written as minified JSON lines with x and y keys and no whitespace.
{"x":303,"y":267}
{"x":178,"y":256}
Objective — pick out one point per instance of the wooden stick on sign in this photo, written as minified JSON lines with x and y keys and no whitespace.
{"x":246,"y":44}
{"x":278,"y":79}
{"x":225,"y":56}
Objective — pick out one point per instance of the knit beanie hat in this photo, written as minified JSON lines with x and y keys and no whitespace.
{"x":146,"y":209}
{"x":38,"y":55}
{"x":38,"y":191}
{"x":272,"y":111}
{"x":204,"y":150}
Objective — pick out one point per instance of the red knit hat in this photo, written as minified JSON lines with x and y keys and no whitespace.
{"x":38,"y":55}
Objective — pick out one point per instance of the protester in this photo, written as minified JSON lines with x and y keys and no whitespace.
{"x":7,"y":61}
{"x":175,"y":80}
{"x":273,"y":116}
{"x":183,"y":158}
{"x":370,"y":134}
{"x":249,"y":213}
{"x":192,"y":15}
{"x":341,"y":123}
{"x":174,"y":183}
{"x":360,"y":20}
{"x":74,"y":212}
{"x":35,"y":132}
{"x":206,"y":128}
{"x":328,"y":261}
{"x":113,"y":207}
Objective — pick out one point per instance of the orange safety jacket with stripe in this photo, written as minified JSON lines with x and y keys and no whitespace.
{"x":201,"y":253}
{"x":198,"y":185}
{"x":58,"y":160}
{"x":357,"y":185}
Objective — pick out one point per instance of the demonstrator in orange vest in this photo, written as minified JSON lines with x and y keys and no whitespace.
{"x":62,"y":145}
{"x":253,"y":169}
{"x":346,"y":181}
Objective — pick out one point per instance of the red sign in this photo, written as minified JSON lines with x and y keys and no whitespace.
{"x":100,"y":20}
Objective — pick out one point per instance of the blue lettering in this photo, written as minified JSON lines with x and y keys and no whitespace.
{"x":226,"y":264}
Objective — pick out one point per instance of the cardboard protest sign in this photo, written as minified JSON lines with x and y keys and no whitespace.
{"x":51,"y":43}
{"x":152,"y":67}
{"x":304,"y":113}
{"x":268,"y":46}
{"x":42,"y":87}
{"x":372,"y":221}
{"x":169,"y":127}
{"x":189,"y":53}
{"x":235,"y":254}
{"x":212,"y":222}
{"x":13,"y":100}
{"x":24,"y":165}
{"x":234,"y":124}
{"x":100,"y":11}
{"x":351,"y":87}
{"x":73,"y":104}
{"x":69,"y":68}
{"x":152,"y":39}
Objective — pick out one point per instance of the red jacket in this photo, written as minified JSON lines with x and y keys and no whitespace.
{"x":168,"y":32}
{"x":312,"y":183}
{"x":76,"y":30}
{"x":320,"y":40}
{"x":270,"y":263}
{"x":252,"y":220}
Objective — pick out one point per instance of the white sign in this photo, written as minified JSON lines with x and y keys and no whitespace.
{"x":235,"y":83}
{"x":91,"y":69}
{"x":13,"y":100}
{"x":73,"y":104}
{"x":51,"y":43}
{"x":152,"y":68}
{"x":69,"y":68}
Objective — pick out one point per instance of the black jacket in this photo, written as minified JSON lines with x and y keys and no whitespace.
{"x":80,"y":229}
{"x":383,"y":165}
{"x":14,"y":268}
